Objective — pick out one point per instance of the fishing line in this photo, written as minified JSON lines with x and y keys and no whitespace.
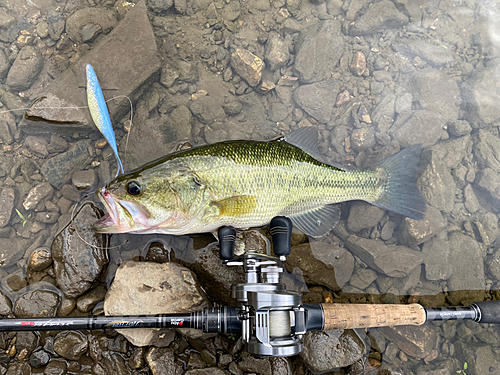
{"x":73,"y":215}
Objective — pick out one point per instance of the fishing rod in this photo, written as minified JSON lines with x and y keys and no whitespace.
{"x":271,"y":319}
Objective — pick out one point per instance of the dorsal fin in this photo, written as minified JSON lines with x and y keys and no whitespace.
{"x":305,"y":138}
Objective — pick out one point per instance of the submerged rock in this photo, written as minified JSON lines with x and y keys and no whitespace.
{"x":7,"y":201}
{"x":25,"y":69}
{"x":79,"y":253}
{"x":394,"y":261}
{"x":319,"y":49}
{"x":248,"y":66}
{"x":152,"y":288}
{"x":58,"y":170}
{"x":330,"y":350}
{"x":36,"y":303}
{"x":317,"y":98}
{"x":71,"y":345}
{"x":380,"y":16}
{"x":414,"y":341}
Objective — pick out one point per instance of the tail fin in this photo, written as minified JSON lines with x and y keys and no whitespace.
{"x":401,"y":194}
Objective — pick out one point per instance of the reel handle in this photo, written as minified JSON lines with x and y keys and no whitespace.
{"x":344,"y":316}
{"x":281,"y":232}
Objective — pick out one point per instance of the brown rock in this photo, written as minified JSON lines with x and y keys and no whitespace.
{"x":248,"y":66}
{"x":358,"y":64}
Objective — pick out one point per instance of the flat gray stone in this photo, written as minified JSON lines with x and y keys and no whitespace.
{"x":134,"y":42}
{"x":394,"y":261}
{"x":380,"y":16}
{"x":317,"y":99}
{"x":59,"y":169}
{"x":153,"y":288}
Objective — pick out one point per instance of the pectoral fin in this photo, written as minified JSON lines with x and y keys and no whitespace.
{"x":317,"y":222}
{"x":240,"y":205}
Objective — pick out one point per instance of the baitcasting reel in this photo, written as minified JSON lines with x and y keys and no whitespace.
{"x":271,"y":319}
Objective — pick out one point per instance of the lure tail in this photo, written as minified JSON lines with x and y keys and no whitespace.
{"x":400,"y":193}
{"x":100,"y":114}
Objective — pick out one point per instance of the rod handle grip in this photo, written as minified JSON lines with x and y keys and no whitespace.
{"x":346,"y":316}
{"x":489,"y":311}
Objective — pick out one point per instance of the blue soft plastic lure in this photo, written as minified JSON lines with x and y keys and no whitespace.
{"x":100,"y":114}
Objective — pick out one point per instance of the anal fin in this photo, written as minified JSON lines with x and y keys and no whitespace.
{"x":318,"y":221}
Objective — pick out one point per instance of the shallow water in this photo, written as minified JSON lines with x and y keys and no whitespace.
{"x":372,"y":76}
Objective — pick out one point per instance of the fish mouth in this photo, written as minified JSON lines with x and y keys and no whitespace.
{"x":123,"y":216}
{"x":109,"y":223}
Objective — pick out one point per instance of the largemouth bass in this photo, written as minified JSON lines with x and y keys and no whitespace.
{"x":246,"y":183}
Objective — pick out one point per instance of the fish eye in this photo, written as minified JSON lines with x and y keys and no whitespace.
{"x":134,"y":188}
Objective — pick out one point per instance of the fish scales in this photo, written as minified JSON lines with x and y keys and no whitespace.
{"x":246,"y":183}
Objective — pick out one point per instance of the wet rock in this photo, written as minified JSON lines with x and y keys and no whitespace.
{"x":233,"y":108}
{"x":319,"y":264}
{"x":70,"y":193}
{"x":37,"y":145}
{"x":421,"y":127}
{"x":208,"y":371}
{"x":414,"y":341}
{"x":71,"y":345}
{"x":38,"y":194}
{"x":363,"y":215}
{"x":248,"y":66}
{"x":485,"y":226}
{"x":79,"y":253}
{"x":231,"y":11}
{"x":57,"y":144}
{"x":487,"y":149}
{"x":86,"y":302}
{"x":36,"y":303}
{"x":459,"y":128}
{"x":58,"y":170}
{"x":25,"y":69}
{"x":161,"y":361}
{"x":215,"y":277}
{"x":358,"y":64}
{"x":276,"y":52}
{"x":470,"y":199}
{"x":47,"y":217}
{"x":414,"y":232}
{"x":159,"y":6}
{"x":66,"y":307}
{"x":255,"y":365}
{"x":136,"y":359}
{"x":488,"y":182}
{"x":4,"y":64}
{"x":5,"y":304}
{"x":436,"y":182}
{"x":434,"y":90}
{"x":83,"y":180}
{"x":387,"y":230}
{"x":278,"y":112}
{"x":40,"y":259}
{"x":394,"y":261}
{"x":328,"y":350}
{"x":481,"y":359}
{"x":181,"y":120}
{"x":317,"y":98}
{"x":153,"y":288}
{"x":436,"y":56}
{"x":480,"y":102}
{"x":11,"y":250}
{"x":112,"y":363}
{"x":383,"y":113}
{"x":362,"y":278}
{"x":6,"y":134}
{"x":453,"y":151}
{"x":125,"y":75}
{"x":380,"y":16}
{"x":26,"y":341}
{"x":467,"y":261}
{"x":19,"y":368}
{"x":319,"y":49}
{"x":98,"y":16}
{"x":56,"y":24}
{"x":55,"y":367}
{"x":207,"y":109}
{"x":436,"y":253}
{"x":90,"y":31}
{"x":39,"y":358}
{"x":7,"y":201}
